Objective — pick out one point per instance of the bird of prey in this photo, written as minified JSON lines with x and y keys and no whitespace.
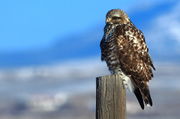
{"x":124,"y":49}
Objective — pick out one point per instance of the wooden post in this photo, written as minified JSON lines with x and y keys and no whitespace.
{"x":110,"y":98}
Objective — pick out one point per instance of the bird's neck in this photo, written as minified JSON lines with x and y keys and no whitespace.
{"x":108,"y":30}
{"x":109,"y":27}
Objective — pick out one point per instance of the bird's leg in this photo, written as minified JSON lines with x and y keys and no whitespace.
{"x":127,"y":82}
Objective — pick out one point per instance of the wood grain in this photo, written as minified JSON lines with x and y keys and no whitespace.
{"x":110,"y":98}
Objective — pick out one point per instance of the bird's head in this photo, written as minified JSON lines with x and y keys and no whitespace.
{"x":117,"y":16}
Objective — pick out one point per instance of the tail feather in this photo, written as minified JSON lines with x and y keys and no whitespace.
{"x":143,"y":96}
{"x":139,"y":97}
{"x":146,"y":96}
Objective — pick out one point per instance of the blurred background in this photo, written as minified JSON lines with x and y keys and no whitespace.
{"x":50,"y":56}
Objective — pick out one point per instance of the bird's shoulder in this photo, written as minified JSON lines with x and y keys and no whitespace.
{"x":129,"y":30}
{"x":132,"y":44}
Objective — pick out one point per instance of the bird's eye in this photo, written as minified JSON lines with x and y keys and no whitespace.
{"x":115,"y":17}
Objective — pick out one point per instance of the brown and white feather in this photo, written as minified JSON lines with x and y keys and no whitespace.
{"x":124,"y":49}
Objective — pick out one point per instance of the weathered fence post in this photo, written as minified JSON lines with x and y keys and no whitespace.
{"x":110,"y":98}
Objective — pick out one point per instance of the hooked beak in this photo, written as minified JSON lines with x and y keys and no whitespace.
{"x":108,"y":20}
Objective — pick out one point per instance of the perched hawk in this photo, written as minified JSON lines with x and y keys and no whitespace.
{"x":124,"y":49}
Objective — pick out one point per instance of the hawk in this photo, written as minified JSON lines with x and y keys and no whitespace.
{"x":124,"y":49}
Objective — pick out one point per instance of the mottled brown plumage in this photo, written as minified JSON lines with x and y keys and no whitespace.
{"x":124,"y":49}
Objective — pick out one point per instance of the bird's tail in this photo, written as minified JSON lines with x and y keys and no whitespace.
{"x":146,"y":95}
{"x":139,"y":97}
{"x":143,"y":96}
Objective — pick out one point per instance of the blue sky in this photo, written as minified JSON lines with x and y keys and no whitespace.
{"x":28,"y":24}
{"x":39,"y":31}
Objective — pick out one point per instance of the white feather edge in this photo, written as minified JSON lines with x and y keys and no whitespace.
{"x":127,"y":83}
